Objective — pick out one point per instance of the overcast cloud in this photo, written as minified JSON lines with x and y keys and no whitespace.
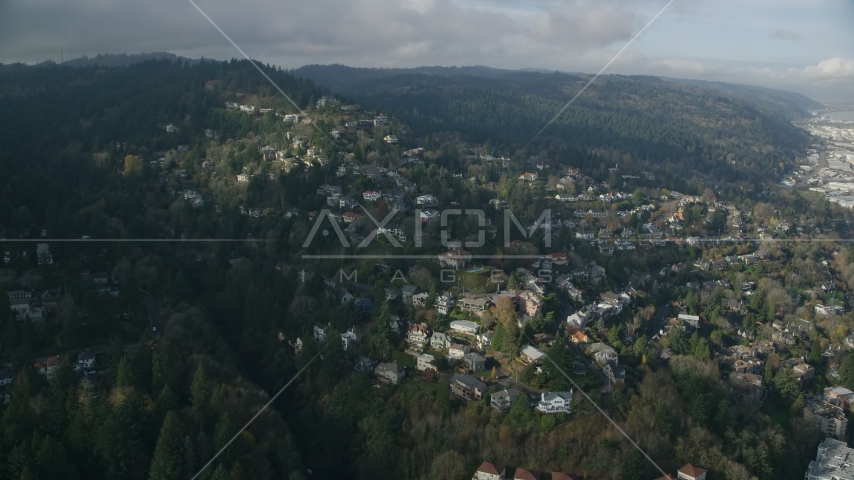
{"x":800,"y":45}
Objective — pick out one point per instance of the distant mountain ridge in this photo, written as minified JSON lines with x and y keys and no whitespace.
{"x":123,"y":59}
{"x":789,"y":104}
{"x":347,"y":80}
{"x":342,"y":78}
{"x":701,"y":129}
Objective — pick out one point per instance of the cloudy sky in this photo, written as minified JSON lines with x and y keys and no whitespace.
{"x":800,"y":45}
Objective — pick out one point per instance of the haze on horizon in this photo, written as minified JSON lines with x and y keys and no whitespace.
{"x":805,"y":46}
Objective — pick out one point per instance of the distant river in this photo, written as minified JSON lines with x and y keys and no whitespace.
{"x":848,"y":115}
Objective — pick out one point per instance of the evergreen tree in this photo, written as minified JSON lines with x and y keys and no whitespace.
{"x":117,"y":352}
{"x":168,"y":463}
{"x":692,"y":302}
{"x":442,"y":402}
{"x":797,"y":409}
{"x":633,"y":465}
{"x":846,"y":372}
{"x":815,"y":350}
{"x":219,"y":473}
{"x":785,"y":383}
{"x":124,"y":374}
{"x":224,"y":431}
{"x":678,"y":342}
{"x":200,"y":388}
{"x":769,"y":372}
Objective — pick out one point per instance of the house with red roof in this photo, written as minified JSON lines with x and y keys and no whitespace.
{"x":523,"y":474}
{"x":490,"y":471}
{"x":564,"y":476}
{"x":688,"y":472}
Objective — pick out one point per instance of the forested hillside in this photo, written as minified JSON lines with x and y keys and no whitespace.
{"x":176,"y":198}
{"x":793,"y":106}
{"x":650,"y":119}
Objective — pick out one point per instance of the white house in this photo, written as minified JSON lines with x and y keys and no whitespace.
{"x":531,"y":354}
{"x":484,"y":340}
{"x":6,"y":377}
{"x":85,"y":359}
{"x":371,"y":196}
{"x":419,"y":300}
{"x":457,"y":351}
{"x":424,"y":362}
{"x":465,"y":326}
{"x":320,"y":330}
{"x":554,"y":402}
{"x":606,"y":355}
{"x":426,"y":200}
{"x":391,"y":373}
{"x":490,"y":471}
{"x":348,"y":337}
{"x":417,"y":334}
{"x":444,"y":304}
{"x":345,"y":296}
{"x":440,"y":341}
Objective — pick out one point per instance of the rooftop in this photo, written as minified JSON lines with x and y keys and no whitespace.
{"x":834,"y":460}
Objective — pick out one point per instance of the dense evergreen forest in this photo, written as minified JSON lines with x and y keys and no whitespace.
{"x":649,"y":118}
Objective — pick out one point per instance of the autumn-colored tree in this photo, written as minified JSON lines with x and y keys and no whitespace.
{"x":132,"y":164}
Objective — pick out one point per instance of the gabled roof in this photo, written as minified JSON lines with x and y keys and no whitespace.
{"x":392,"y":367}
{"x":523,"y":474}
{"x":564,"y":476}
{"x":691,"y":470}
{"x":469,"y":381}
{"x":491,"y":468}
{"x":551,"y":396}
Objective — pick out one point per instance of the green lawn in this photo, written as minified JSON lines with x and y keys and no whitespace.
{"x":403,"y":358}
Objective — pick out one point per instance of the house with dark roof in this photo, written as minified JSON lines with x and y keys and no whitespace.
{"x":474,"y":361}
{"x":85,"y":359}
{"x":7,"y":376}
{"x":503,"y":400}
{"x":616,"y":373}
{"x":467,"y":387}
{"x":440,"y":341}
{"x":364,"y":364}
{"x":391,"y":373}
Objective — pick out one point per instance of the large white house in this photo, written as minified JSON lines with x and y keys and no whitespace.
{"x":531,"y":354}
{"x":418,"y":334}
{"x":425,"y":363}
{"x":465,"y":326}
{"x":554,"y":402}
